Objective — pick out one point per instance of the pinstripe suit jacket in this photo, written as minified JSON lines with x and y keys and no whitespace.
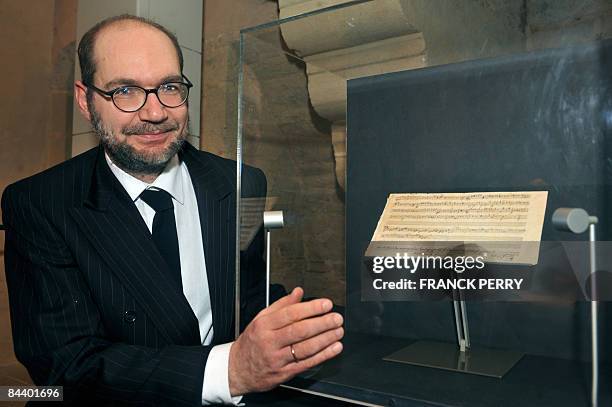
{"x":92,"y":304}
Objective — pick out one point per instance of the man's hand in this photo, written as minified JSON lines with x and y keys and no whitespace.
{"x":261,"y":357}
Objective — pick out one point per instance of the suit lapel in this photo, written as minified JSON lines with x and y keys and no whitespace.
{"x":217,"y":210}
{"x":112,"y":223}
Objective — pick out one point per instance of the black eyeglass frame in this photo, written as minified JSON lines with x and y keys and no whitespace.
{"x":111,"y":93}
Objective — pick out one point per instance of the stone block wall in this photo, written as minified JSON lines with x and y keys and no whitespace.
{"x":283,"y":136}
{"x":35,"y":115}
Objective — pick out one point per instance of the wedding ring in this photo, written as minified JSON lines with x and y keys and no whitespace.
{"x":295,"y":359}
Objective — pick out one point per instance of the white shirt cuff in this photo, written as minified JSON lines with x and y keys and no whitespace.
{"x":215,"y":389}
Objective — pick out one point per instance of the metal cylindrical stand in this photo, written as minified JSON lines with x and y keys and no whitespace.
{"x":577,"y":220}
{"x":594,"y":330}
{"x":271,"y":220}
{"x":267,"y":267}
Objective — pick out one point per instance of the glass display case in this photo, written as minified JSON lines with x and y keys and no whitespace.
{"x":364,"y":116}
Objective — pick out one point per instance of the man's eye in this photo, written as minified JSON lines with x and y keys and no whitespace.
{"x":169,"y":87}
{"x":125,"y":91}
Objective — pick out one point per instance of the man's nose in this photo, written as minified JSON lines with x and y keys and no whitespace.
{"x":153,"y":110}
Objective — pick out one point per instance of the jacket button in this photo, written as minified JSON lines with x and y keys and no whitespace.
{"x":129,"y":317}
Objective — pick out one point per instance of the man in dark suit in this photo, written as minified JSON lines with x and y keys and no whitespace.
{"x":120,"y":262}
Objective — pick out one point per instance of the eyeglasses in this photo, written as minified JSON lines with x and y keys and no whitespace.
{"x":131,"y":98}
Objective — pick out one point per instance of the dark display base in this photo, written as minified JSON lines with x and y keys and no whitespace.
{"x":446,"y":356}
{"x":362,"y":374}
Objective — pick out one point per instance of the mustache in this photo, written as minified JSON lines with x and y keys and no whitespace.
{"x":146,"y":128}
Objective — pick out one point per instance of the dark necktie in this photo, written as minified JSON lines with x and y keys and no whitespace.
{"x":164,"y":230}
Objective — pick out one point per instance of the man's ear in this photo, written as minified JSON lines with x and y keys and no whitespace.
{"x":80,"y":96}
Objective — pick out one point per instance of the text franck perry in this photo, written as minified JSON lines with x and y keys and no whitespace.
{"x":448,"y":284}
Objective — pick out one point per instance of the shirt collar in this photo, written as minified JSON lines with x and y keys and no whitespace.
{"x":170,"y":180}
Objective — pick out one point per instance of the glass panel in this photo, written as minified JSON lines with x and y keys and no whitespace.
{"x":300,"y":179}
{"x":342,"y":107}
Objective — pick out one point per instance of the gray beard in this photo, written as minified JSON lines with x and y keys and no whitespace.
{"x":127,"y":157}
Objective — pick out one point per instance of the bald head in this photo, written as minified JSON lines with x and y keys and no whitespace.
{"x":89,"y":56}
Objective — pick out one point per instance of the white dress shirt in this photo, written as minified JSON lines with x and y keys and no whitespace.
{"x":176,"y":181}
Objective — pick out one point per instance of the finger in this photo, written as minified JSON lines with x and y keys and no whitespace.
{"x":294,"y":297}
{"x":307,"y":328}
{"x":297,"y":312}
{"x":310,"y":347}
{"x":331,"y":351}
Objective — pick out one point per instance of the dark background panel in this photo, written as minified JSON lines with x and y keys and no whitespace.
{"x":537,"y":121}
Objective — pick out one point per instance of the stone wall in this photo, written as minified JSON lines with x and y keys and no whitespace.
{"x":554,"y":23}
{"x":35,"y":114}
{"x":282,"y":136}
{"x":223,"y":20}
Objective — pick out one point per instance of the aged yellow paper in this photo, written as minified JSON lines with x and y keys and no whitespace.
{"x":506,"y":225}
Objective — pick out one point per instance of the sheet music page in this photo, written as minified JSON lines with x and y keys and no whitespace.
{"x":512,"y":219}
